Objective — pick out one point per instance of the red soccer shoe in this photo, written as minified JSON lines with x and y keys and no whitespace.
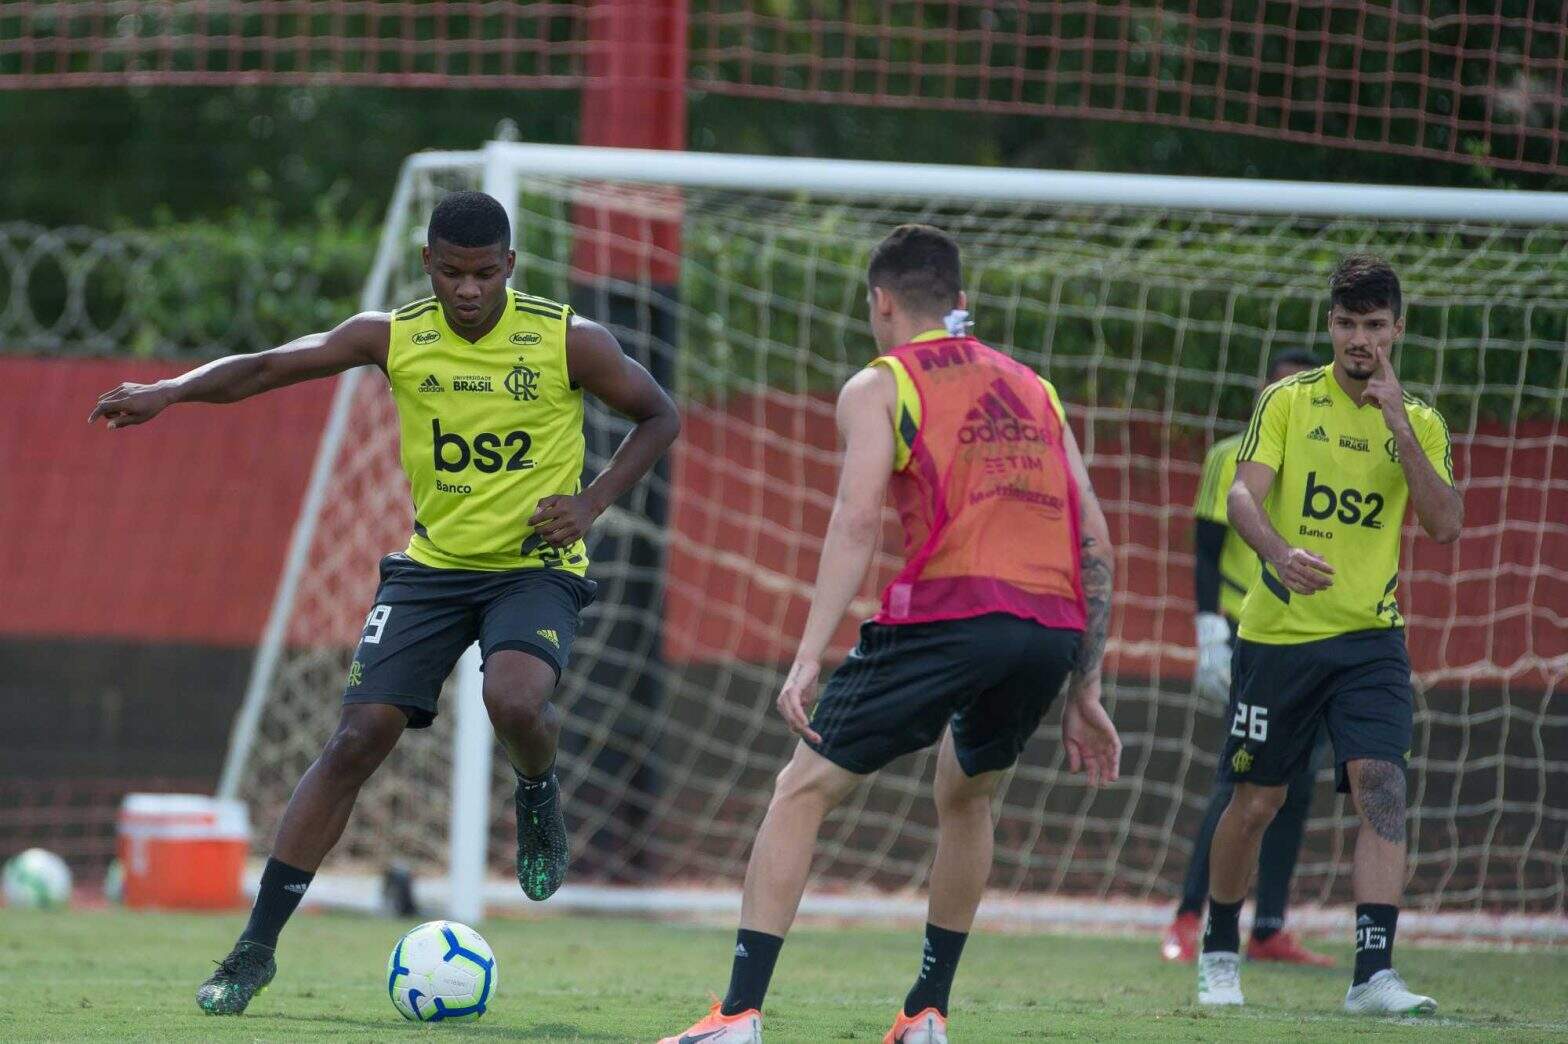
{"x":1284,"y":948}
{"x":1181,"y":939}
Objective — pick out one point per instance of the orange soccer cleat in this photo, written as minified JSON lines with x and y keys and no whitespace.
{"x":1180,"y":942}
{"x":715,"y":1028}
{"x":927,"y":1026}
{"x":1284,"y":948}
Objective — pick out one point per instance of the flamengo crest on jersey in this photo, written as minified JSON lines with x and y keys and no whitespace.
{"x":1339,"y":491}
{"x":988,"y":502}
{"x":487,"y":429}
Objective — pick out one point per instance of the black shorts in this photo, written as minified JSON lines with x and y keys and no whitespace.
{"x":424,"y":618}
{"x":991,"y":676}
{"x":1356,"y":685}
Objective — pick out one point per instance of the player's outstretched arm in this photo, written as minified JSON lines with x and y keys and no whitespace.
{"x":865,"y":423}
{"x":1439,"y":506}
{"x":359,"y":341}
{"x":1088,"y":735}
{"x":596,"y":363}
{"x":1298,"y":569}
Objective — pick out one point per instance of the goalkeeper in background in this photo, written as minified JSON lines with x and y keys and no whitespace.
{"x":1226,"y":567}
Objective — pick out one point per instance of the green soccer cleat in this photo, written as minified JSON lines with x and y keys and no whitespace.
{"x":542,"y":850}
{"x":241,"y":975}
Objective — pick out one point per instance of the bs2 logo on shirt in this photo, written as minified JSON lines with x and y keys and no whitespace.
{"x":1351,"y":506}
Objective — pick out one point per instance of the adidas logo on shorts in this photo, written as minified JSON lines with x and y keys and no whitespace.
{"x":550,"y":636}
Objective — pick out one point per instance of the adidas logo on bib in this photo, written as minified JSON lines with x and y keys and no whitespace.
{"x":1317,"y":434}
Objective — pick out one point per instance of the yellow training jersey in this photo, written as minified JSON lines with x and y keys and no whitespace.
{"x":488,"y":429}
{"x":1338,"y":492}
{"x":1239,"y":565}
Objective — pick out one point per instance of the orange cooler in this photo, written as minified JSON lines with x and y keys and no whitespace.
{"x":183,"y":851}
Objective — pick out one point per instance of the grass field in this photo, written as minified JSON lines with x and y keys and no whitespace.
{"x":114,"y":975}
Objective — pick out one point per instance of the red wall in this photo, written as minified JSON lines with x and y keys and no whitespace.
{"x":176,"y":530}
{"x":169,"y":531}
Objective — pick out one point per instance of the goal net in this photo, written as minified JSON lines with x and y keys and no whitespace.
{"x":1154,"y":305}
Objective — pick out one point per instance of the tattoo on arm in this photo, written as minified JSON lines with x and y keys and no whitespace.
{"x":1380,"y":788}
{"x":1096,"y":573}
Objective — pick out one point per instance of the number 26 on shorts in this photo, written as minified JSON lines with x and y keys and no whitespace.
{"x":1251,"y":722}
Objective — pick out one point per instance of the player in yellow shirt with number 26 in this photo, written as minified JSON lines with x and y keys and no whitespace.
{"x":1325,"y":471}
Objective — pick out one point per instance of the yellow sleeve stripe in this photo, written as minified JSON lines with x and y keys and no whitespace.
{"x":1448,"y":448}
{"x":1056,"y":401}
{"x":415,"y":307}
{"x":1448,"y":441}
{"x":906,"y":426}
{"x":1213,"y":465}
{"x":1249,"y":441}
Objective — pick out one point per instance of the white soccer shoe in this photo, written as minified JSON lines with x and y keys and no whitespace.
{"x":1219,"y":979}
{"x":1386,"y":994}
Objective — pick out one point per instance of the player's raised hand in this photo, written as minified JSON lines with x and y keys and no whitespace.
{"x":131,"y":404}
{"x":1304,"y":572}
{"x":1384,"y":389}
{"x":561,"y":521}
{"x":798,"y":696}
{"x":1091,"y":742}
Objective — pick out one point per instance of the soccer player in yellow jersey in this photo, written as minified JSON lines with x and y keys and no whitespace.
{"x":1325,"y":471}
{"x":1225,"y":568}
{"x":488,"y":384}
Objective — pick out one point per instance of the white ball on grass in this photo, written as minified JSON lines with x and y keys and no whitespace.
{"x":441,"y":971}
{"x":36,"y":879}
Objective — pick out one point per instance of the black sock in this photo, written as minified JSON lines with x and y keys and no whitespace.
{"x":1375,"y":923}
{"x":1195,"y":886}
{"x":536,"y":789}
{"x":755,"y":955}
{"x":1223,"y":934}
{"x":937,"y":965}
{"x":1277,"y":857}
{"x":282,"y":887}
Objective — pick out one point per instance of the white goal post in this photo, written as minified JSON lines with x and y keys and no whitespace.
{"x":1125,"y":284}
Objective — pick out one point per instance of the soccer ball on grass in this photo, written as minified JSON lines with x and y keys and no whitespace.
{"x":439,"y":971}
{"x":37,"y":879}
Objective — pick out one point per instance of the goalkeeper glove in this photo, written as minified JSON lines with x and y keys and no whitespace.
{"x":1213,"y":678}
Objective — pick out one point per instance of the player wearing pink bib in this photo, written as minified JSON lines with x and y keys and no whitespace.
{"x":1004,"y":598}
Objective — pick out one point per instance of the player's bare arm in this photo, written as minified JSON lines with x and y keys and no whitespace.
{"x":865,"y":415}
{"x":1090,"y":739}
{"x":1298,"y":569}
{"x":358,"y":341}
{"x":597,"y":364}
{"x":1439,"y":507}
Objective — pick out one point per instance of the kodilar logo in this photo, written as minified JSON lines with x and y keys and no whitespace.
{"x":526,"y":337}
{"x":427,"y":336}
